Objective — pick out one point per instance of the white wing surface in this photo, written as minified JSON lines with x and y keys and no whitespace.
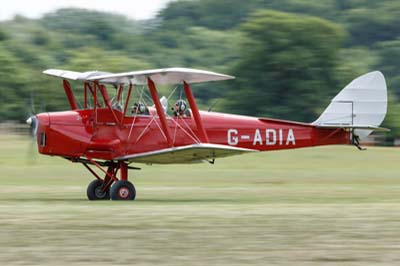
{"x":73,"y":75}
{"x":186,"y":154}
{"x":162,"y":76}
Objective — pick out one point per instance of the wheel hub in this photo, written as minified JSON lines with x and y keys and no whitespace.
{"x":123,"y":192}
{"x":99,"y":193}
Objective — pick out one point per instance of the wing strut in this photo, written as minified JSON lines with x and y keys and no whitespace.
{"x":85,"y":101}
{"x":160,"y":110}
{"x":107,"y":100}
{"x":196,"y":114}
{"x":95,"y":84}
{"x":70,"y":95}
{"x":126,"y":103}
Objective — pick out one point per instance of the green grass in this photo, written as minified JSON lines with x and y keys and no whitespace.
{"x":320,"y":206}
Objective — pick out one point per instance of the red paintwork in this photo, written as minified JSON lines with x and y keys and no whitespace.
{"x":107,"y":100}
{"x":196,"y":114}
{"x":75,"y":133}
{"x":105,"y":133}
{"x":99,"y":135}
{"x":124,"y":170}
{"x":162,"y":118}
{"x":70,"y":95}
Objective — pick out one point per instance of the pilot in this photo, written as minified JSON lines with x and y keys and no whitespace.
{"x":140,"y":109}
{"x":180,"y":109}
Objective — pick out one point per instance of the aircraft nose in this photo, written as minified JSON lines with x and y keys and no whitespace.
{"x":33,"y":123}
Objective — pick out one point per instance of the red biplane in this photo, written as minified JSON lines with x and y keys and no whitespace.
{"x":111,"y":133}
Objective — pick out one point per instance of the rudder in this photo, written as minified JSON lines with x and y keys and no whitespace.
{"x":362,"y":103}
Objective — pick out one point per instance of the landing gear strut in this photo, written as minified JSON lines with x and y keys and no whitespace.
{"x":110,"y":186}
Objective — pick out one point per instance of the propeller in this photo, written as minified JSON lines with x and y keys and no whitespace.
{"x":32,"y":120}
{"x":33,"y":123}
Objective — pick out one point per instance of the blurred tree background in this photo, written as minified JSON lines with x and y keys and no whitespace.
{"x":289,"y":56}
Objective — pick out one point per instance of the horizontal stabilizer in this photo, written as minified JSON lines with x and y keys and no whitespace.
{"x":366,"y":127}
{"x":186,"y":154}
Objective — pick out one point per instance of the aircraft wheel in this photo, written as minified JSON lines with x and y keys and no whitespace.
{"x":94,"y":191}
{"x":123,"y":190}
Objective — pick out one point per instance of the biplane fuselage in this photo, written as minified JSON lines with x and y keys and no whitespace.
{"x":105,"y":132}
{"x":76,"y":133}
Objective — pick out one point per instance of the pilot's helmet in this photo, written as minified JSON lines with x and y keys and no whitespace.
{"x":181,"y":105}
{"x":139,"y":108}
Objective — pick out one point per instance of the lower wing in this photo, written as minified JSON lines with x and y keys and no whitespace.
{"x":186,"y":154}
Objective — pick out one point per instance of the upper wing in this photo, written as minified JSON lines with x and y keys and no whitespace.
{"x":163,"y":76}
{"x":159,"y":76}
{"x":186,"y":154}
{"x":73,"y":75}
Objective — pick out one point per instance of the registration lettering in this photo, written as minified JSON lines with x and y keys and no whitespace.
{"x":267,"y":137}
{"x":233,"y":137}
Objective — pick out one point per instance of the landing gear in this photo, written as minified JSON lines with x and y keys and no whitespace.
{"x":110,"y":186}
{"x":123,"y":190}
{"x":95,"y":191}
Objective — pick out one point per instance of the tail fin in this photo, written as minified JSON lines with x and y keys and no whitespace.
{"x":360,"y":106}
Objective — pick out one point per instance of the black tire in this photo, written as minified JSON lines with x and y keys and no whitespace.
{"x":94,"y":191}
{"x":123,"y":190}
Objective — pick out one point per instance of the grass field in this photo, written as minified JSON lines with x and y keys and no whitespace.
{"x":320,"y":206}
